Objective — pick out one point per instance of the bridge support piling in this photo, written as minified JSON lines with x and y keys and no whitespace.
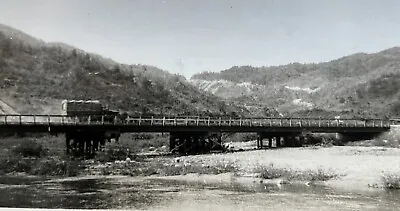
{"x":301,"y":138}
{"x":270,"y":142}
{"x":289,"y":141}
{"x":172,"y":143}
{"x":84,"y":143}
{"x":298,"y":141}
{"x":260,"y":140}
{"x":278,"y":141}
{"x":284,"y":141}
{"x":68,"y":140}
{"x":185,"y":143}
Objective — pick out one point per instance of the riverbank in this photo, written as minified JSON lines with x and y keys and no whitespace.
{"x":359,"y":168}
{"x":307,"y":178}
{"x":345,"y":167}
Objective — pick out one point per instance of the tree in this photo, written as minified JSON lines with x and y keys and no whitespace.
{"x":74,"y":54}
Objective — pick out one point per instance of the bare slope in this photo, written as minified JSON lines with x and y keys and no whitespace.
{"x":35,"y":76}
{"x":356,"y":85}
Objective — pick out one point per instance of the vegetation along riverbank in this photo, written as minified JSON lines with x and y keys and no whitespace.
{"x":369,"y":164}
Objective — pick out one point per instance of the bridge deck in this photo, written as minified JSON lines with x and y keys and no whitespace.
{"x":62,"y":123}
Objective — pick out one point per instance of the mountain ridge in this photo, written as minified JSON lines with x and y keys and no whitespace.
{"x":353,"y":85}
{"x":36,"y":76}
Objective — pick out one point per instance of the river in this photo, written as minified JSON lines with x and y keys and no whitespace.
{"x":165,"y":194}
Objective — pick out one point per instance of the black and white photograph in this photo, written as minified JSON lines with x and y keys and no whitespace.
{"x":199,"y":105}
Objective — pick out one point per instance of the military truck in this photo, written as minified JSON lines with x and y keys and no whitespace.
{"x":90,"y":111}
{"x":82,"y":109}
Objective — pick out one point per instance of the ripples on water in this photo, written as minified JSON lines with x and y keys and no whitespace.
{"x":178,"y":195}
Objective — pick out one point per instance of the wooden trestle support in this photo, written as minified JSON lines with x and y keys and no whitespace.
{"x":277,"y":140}
{"x":87,"y":143}
{"x":189,"y":143}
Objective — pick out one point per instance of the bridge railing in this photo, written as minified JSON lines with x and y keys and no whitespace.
{"x":395,"y":121}
{"x":190,"y":121}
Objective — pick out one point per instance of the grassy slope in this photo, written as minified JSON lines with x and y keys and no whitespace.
{"x":35,"y":76}
{"x":360,"y":84}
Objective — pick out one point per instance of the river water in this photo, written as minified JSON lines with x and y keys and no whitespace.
{"x":163,"y":194}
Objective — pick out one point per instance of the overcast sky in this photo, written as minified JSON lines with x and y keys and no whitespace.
{"x":190,"y":36}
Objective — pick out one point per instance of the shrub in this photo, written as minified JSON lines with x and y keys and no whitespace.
{"x":391,"y":180}
{"x":187,"y":168}
{"x":113,"y":153}
{"x":323,"y":139}
{"x":271,"y":172}
{"x":318,"y":175}
{"x":161,"y":168}
{"x":57,"y":166}
{"x":30,"y":148}
{"x":47,"y":166}
{"x":14,"y":163}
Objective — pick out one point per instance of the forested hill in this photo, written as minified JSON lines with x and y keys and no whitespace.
{"x":357,"y":85}
{"x":36,"y":76}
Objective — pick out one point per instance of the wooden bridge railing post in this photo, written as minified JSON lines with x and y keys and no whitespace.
{"x":208,"y":121}
{"x":152,"y":120}
{"x":163,"y":121}
{"x":240,"y":122}
{"x":102,"y":119}
{"x":140,"y":120}
{"x":290,"y":122}
{"x":280,"y":122}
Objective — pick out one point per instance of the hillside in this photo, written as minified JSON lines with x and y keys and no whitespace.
{"x":364,"y":85}
{"x":36,"y":76}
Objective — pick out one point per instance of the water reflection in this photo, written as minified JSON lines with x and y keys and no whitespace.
{"x":164,"y":194}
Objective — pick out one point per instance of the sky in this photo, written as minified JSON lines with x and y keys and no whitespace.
{"x":191,"y":36}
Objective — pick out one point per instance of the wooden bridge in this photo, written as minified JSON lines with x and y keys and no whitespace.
{"x":187,"y":134}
